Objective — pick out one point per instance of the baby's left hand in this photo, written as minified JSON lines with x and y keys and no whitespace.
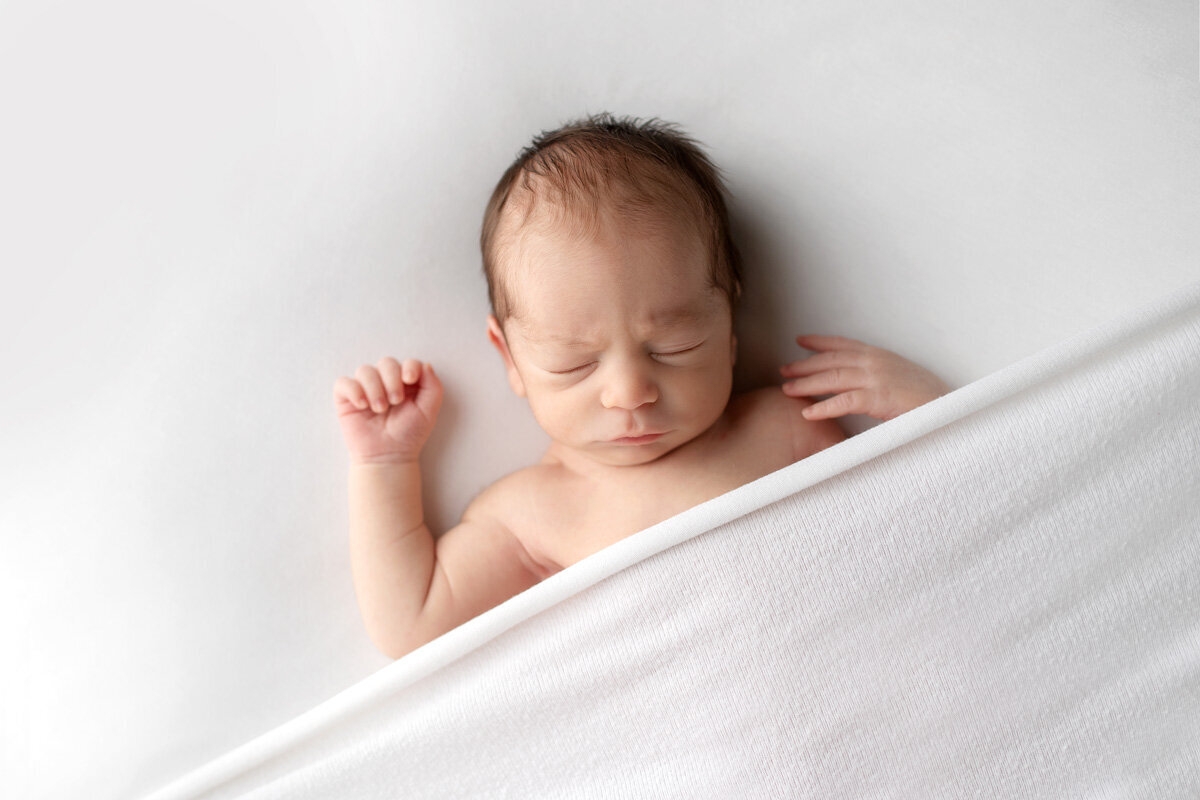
{"x":863,"y":379}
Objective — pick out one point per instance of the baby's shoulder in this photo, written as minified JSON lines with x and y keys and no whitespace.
{"x":770,"y":413}
{"x":514,"y":488}
{"x":765,"y":410}
{"x":523,"y":502}
{"x":766,"y":398}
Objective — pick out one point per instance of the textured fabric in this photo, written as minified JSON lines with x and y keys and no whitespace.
{"x":996,"y":594}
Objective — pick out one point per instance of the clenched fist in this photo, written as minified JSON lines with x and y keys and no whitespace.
{"x":387,"y":411}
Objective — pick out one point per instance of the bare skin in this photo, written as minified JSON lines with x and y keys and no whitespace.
{"x":569,"y":511}
{"x":617,"y":335}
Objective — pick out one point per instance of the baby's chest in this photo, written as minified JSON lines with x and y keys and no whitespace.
{"x":573,"y":524}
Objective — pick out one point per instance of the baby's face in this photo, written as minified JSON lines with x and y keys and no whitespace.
{"x":619,"y":336}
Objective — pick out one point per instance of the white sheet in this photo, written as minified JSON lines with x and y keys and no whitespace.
{"x":995,"y":594}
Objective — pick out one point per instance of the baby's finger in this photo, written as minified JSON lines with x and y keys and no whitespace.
{"x":822,"y":361}
{"x":841,"y":379}
{"x":411,"y":371}
{"x":815,"y":342}
{"x":373,"y":386}
{"x":854,"y":402}
{"x":389,"y":371}
{"x":429,"y":398}
{"x":349,"y":391}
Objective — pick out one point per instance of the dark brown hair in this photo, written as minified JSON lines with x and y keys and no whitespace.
{"x":641,"y":170}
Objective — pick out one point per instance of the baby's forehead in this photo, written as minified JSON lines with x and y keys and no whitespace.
{"x":546,"y":241}
{"x":546,"y":249}
{"x":665,"y":313}
{"x":658,"y":274}
{"x":580,"y":323}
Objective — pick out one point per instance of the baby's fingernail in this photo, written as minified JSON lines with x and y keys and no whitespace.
{"x":395,"y":398}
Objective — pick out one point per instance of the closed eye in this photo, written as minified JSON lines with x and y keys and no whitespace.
{"x":582,"y":367}
{"x":678,"y":352}
{"x":569,"y":371}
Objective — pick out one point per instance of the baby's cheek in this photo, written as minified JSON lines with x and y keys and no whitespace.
{"x":704,"y":395}
{"x":557,"y":415}
{"x":716,"y":391}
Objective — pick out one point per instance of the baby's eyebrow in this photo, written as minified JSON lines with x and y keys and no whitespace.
{"x":559,"y":339}
{"x":549,"y":337}
{"x":679,"y":315}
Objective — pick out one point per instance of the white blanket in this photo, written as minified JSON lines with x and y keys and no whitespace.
{"x":997,"y":594}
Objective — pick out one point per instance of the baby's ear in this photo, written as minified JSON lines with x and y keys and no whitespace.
{"x":495,"y":335}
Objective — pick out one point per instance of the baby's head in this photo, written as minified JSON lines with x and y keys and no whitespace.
{"x":613,"y":277}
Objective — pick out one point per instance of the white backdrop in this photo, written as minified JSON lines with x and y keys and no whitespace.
{"x":211,"y":210}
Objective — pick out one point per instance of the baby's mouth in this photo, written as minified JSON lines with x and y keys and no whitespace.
{"x":646,"y":438}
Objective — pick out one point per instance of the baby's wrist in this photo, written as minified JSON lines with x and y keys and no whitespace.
{"x":384,"y":462}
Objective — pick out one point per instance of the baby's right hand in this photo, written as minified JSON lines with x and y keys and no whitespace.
{"x":388,"y":413}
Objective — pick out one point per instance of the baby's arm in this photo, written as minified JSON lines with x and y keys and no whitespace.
{"x":391,"y":551}
{"x":863,"y":379}
{"x":402,"y":578}
{"x":410,"y":589}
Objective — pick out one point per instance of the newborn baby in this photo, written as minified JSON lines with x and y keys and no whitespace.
{"x":613,"y":281}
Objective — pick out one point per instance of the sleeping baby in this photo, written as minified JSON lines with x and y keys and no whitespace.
{"x":613,"y":281}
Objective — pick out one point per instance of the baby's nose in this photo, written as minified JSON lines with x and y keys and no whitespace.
{"x":629,"y":389}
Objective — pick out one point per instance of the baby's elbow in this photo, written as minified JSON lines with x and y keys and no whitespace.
{"x":422,"y":631}
{"x":398,"y":650}
{"x":396,"y":644}
{"x":393,"y":648}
